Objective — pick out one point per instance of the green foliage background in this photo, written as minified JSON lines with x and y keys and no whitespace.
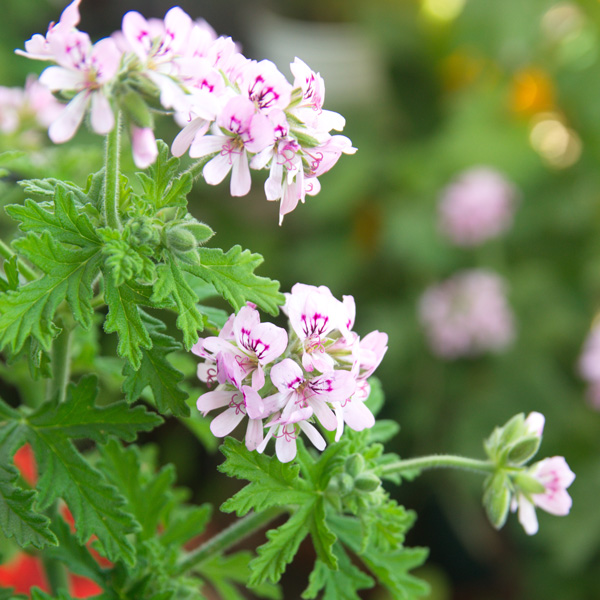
{"x":446,"y":103}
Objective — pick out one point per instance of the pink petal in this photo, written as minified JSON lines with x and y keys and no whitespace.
{"x":286,"y":375}
{"x":527,"y":516}
{"x":226,"y":422}
{"x":65,"y":126}
{"x":255,"y":406}
{"x":358,"y":416}
{"x":58,"y":78}
{"x":313,"y":435}
{"x":212,"y":400}
{"x":240,"y":176}
{"x":207,"y":144}
{"x":285,"y":449}
{"x":186,"y":136}
{"x":143,"y":146}
{"x":102,"y":116}
{"x":254,"y":434}
{"x":325,"y":415}
{"x":216,"y":169}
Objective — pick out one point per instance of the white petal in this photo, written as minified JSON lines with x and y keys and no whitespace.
{"x":216,"y":169}
{"x":186,"y":136}
{"x":226,"y":422}
{"x":240,"y":175}
{"x":285,"y":449}
{"x":313,"y":435}
{"x":102,"y":117}
{"x":59,"y":78}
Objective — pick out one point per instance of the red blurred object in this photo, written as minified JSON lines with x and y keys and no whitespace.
{"x":25,"y":571}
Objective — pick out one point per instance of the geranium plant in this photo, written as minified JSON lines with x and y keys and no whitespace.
{"x":125,"y":255}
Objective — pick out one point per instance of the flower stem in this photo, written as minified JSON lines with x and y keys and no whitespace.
{"x":112,"y":176}
{"x":227,"y":538}
{"x":61,"y":365}
{"x":7,"y":252}
{"x":438,"y":461}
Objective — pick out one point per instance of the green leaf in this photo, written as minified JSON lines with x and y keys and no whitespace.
{"x":29,"y":311}
{"x":322,"y":537}
{"x":232,"y":275}
{"x":157,"y":372}
{"x":392,"y":567}
{"x":147,"y":495}
{"x":97,"y":507}
{"x":18,"y":518}
{"x":223,"y":571}
{"x":65,"y":222}
{"x":71,"y":552}
{"x":338,"y":585}
{"x":170,"y":282}
{"x":124,"y":318}
{"x":272,"y":483}
{"x":279,"y":551}
{"x":47,"y":187}
{"x":162,"y":185}
{"x":37,"y":594}
{"x":12,"y":275}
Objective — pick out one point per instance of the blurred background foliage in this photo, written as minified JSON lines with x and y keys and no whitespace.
{"x":429,"y":88}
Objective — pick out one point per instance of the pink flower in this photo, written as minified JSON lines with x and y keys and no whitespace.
{"x":239,"y":403}
{"x":589,"y":366}
{"x":300,"y":398}
{"x":467,"y":315}
{"x":478,"y":206}
{"x":143,"y":144}
{"x":86,"y":70}
{"x":314,"y":314}
{"x":247,"y":131}
{"x":556,"y":476}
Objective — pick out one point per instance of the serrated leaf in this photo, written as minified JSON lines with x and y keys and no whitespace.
{"x":12,"y":275}
{"x":18,"y":518}
{"x":30,"y":311}
{"x":65,"y":222}
{"x":322,"y":537}
{"x":146,"y":495}
{"x":157,"y":372}
{"x":79,"y":417}
{"x":279,"y":551}
{"x":125,"y":319}
{"x":47,"y":187}
{"x":97,"y":507}
{"x":162,"y":185}
{"x":392,"y":567}
{"x":337,"y":585}
{"x":223,"y":571}
{"x":71,"y":552}
{"x":232,"y":275}
{"x":170,"y":282}
{"x":38,"y":594}
{"x":272,"y":483}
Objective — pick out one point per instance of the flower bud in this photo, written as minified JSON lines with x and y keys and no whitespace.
{"x":367,"y":482}
{"x":355,"y":465}
{"x":496,"y":498}
{"x":136,"y":109}
{"x":346,"y":484}
{"x":180,"y":240}
{"x":143,"y":232}
{"x":201,"y":232}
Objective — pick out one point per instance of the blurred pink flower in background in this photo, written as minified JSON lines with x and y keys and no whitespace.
{"x":467,"y":315}
{"x":589,"y":366}
{"x":477,"y":206}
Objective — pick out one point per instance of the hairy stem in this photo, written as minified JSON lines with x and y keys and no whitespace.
{"x":61,"y":365}
{"x":227,"y":538}
{"x":112,"y":176}
{"x":438,"y":461}
{"x":7,"y":252}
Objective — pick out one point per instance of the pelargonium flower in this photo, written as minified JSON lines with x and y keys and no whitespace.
{"x":589,"y":366}
{"x":244,"y":130}
{"x":555,"y":476}
{"x":477,"y":206}
{"x":467,"y":315}
{"x":316,"y":376}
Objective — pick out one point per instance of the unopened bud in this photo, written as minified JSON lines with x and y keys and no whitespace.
{"x":180,"y":239}
{"x":367,"y":482}
{"x":355,"y":464}
{"x":346,"y":484}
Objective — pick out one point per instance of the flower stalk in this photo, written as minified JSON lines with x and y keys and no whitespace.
{"x":438,"y":461}
{"x":112,"y":176}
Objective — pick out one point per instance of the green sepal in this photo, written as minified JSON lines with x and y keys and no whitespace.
{"x":496,"y":498}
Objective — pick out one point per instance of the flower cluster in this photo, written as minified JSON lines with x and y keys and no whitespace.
{"x":467,"y":315}
{"x":285,"y":383}
{"x":477,"y":206}
{"x":589,"y":366}
{"x":237,"y":114}
{"x":24,"y":108}
{"x":519,"y":487}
